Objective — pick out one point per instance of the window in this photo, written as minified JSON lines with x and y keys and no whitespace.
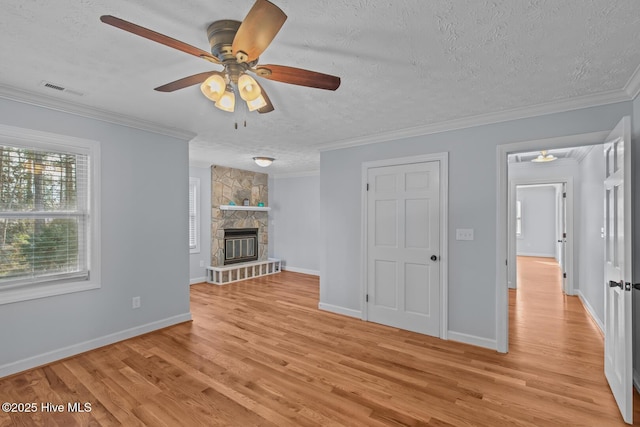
{"x":518,"y":218}
{"x":194,"y":215}
{"x":47,"y":219}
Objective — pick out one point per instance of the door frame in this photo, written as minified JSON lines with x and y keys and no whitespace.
{"x":502,"y":218}
{"x":571,"y":266}
{"x":443,"y":158}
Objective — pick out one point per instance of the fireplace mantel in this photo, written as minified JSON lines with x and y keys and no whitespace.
{"x":244,"y":208}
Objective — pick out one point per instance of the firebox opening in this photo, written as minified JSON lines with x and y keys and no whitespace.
{"x":240,"y":245}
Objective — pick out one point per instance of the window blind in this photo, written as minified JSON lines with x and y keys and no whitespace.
{"x":44,"y":215}
{"x":193,"y":213}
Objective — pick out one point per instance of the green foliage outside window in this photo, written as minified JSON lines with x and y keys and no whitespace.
{"x":39,"y":221}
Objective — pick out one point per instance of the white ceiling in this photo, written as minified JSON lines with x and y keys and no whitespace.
{"x":408,"y":66}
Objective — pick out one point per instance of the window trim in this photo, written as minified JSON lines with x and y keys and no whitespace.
{"x":519,"y":234}
{"x":194,"y":183}
{"x":28,"y":138}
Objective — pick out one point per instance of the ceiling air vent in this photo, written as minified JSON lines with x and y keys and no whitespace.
{"x":59,"y":88}
{"x":52,"y":86}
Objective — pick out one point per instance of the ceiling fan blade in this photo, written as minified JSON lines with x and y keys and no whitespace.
{"x":267,"y":108}
{"x":258,"y":29}
{"x":187,"y":81}
{"x":298,"y":76}
{"x":157,"y":37}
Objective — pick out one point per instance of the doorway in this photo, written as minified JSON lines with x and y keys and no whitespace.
{"x":541,"y":223}
{"x":618,"y":367}
{"x":504,"y":253}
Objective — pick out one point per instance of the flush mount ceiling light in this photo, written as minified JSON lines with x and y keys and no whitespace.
{"x":263,"y":161}
{"x":236,"y":46}
{"x":544,"y":157}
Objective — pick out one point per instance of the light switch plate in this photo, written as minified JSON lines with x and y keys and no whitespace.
{"x":464,"y":234}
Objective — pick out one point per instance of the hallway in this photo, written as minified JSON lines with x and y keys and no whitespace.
{"x":556,"y":330}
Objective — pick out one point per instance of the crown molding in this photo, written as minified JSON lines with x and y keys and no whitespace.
{"x":199,"y":164}
{"x":46,"y":101}
{"x":586,"y":101}
{"x":632,"y":88}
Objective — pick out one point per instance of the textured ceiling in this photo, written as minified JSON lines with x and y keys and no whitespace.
{"x":404,"y":65}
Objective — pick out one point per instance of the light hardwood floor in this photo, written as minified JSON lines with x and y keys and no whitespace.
{"x":260,"y":352}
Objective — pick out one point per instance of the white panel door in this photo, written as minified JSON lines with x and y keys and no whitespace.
{"x":617,"y":269}
{"x":563,"y":238}
{"x":403,"y":235}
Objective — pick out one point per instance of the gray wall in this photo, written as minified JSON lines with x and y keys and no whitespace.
{"x":197,"y":273}
{"x":539,"y":233}
{"x":591,"y":248}
{"x":472,"y":204}
{"x":635,"y":126}
{"x":144,"y":247}
{"x":295,"y":222}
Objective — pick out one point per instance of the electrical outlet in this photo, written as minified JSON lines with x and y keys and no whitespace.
{"x":201,"y":263}
{"x":135,"y":302}
{"x":464,"y":234}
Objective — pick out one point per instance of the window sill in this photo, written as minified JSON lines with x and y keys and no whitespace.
{"x":43,"y":290}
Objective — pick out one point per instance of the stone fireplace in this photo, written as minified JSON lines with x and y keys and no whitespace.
{"x":236,"y":185}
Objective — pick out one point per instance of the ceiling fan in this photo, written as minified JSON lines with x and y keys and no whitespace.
{"x":236,"y":46}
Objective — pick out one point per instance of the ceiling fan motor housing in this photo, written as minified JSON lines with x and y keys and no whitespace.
{"x":221,"y":34}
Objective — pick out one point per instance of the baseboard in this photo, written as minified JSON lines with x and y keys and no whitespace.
{"x":301,"y":270}
{"x":196,"y":280}
{"x":591,"y":311}
{"x":537,"y":255}
{"x":636,"y":380}
{"x":340,"y":310}
{"x":473,"y":340}
{"x":72,"y":350}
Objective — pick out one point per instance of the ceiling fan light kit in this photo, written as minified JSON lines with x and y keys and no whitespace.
{"x":263,"y":161}
{"x":227,"y":101}
{"x":214,"y":87}
{"x":248,"y":87}
{"x":257,"y":103}
{"x":236,"y":46}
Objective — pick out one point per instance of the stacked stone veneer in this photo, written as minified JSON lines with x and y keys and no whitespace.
{"x":228,"y":184}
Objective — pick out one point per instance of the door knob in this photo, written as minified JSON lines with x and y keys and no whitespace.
{"x":613,"y":284}
{"x":434,"y":258}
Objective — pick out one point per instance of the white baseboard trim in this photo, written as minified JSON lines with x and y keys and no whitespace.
{"x":636,"y":380}
{"x":195,"y":280}
{"x":473,"y":340}
{"x":591,"y":311}
{"x":535,"y":254}
{"x":72,"y":350}
{"x":340,"y":310}
{"x":301,"y":270}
